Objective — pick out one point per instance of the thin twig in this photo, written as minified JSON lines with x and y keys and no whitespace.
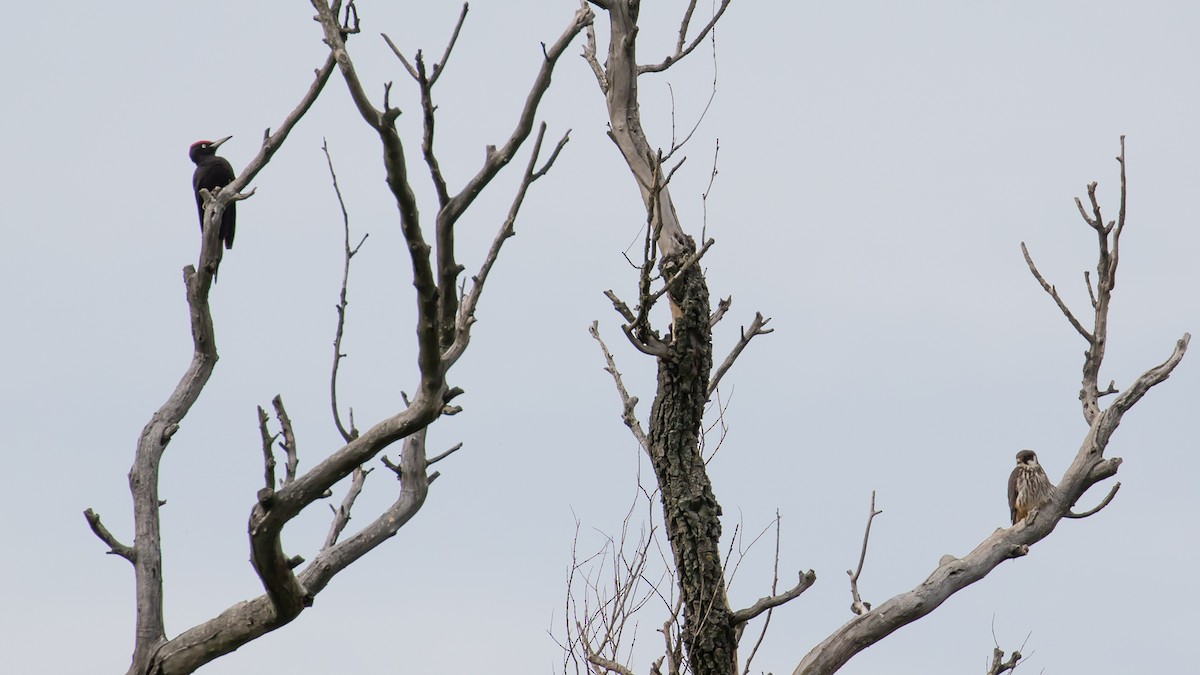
{"x":444,"y":455}
{"x":680,"y":53}
{"x":858,"y":606}
{"x":1062,"y":306}
{"x":1108,"y":498}
{"x":757,"y":327}
{"x":774,"y":589}
{"x":348,"y":253}
{"x":628,"y":403}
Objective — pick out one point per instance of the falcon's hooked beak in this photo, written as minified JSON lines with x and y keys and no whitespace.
{"x":217,"y":144}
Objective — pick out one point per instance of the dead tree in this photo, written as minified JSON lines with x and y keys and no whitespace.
{"x":683,"y":355}
{"x":1089,"y":467}
{"x":443,"y":326}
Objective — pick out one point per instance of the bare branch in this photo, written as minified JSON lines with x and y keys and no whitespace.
{"x":620,"y":306}
{"x":114,"y":547}
{"x":427,"y":111}
{"x":807,"y":579}
{"x":351,"y":433}
{"x":607,"y":665}
{"x":1111,"y":493}
{"x":628,"y":403}
{"x":466,"y":313}
{"x":756,"y":328}
{"x":440,"y":66}
{"x":152,"y":442}
{"x":341,"y":515}
{"x":400,"y":55}
{"x":999,"y":665}
{"x":712,"y":178}
{"x":496,"y":159}
{"x":268,"y":444}
{"x":589,"y":54}
{"x":499,"y":158}
{"x":722,"y":307}
{"x":680,"y":53}
{"x":434,"y":460}
{"x":762,"y":634}
{"x":1088,"y":468}
{"x":1054,"y":294}
{"x":857,"y":605}
{"x":289,"y":440}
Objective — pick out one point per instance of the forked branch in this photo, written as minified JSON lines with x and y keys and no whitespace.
{"x":757,"y":327}
{"x":681,"y":50}
{"x":857,"y":605}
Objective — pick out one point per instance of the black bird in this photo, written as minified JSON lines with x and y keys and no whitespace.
{"x":213,"y":173}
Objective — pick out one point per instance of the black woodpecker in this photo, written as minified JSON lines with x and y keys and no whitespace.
{"x":213,"y":173}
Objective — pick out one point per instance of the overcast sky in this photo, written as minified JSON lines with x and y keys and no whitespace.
{"x":879,"y":165}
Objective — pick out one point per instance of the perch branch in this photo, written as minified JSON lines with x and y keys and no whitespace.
{"x":857,"y":605}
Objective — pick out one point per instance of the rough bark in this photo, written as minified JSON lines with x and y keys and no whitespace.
{"x":690,"y":509}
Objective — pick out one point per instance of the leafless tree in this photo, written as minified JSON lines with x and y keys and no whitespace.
{"x":445,"y":312}
{"x":711,"y":628}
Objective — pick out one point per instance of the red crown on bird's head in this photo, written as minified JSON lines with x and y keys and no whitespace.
{"x":199,"y":143}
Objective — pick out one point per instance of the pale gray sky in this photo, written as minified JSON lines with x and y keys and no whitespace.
{"x":879,"y":165}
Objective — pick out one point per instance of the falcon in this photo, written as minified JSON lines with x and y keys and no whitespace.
{"x":1028,"y":486}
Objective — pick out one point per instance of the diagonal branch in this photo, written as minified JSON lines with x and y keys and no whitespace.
{"x":114,"y":547}
{"x":1062,"y":306}
{"x":756,"y":328}
{"x":495,"y":160}
{"x":466,"y":313}
{"x":341,"y":515}
{"x":807,"y":579}
{"x":1088,"y":468}
{"x":1108,"y":498}
{"x":628,"y":403}
{"x":680,"y":50}
{"x":440,"y":66}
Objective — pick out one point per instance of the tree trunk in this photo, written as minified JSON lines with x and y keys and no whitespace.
{"x":690,"y":510}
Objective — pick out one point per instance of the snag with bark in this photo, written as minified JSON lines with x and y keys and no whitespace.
{"x":683,"y":354}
